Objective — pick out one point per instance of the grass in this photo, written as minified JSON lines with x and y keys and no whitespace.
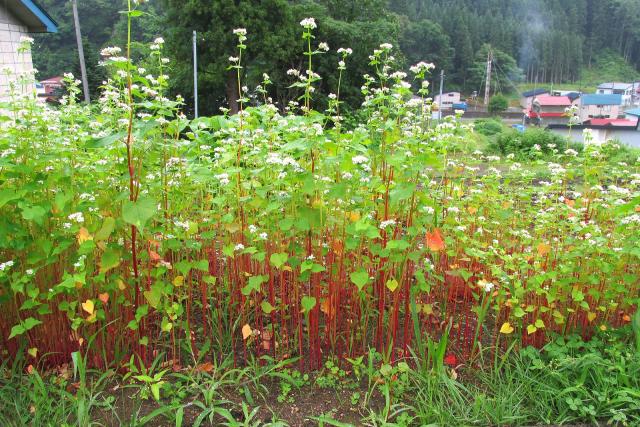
{"x":569,"y":381}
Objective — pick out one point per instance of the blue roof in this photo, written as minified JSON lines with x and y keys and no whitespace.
{"x":633,"y":112}
{"x":598,"y":99}
{"x":32,"y":15}
{"x":535,"y":92}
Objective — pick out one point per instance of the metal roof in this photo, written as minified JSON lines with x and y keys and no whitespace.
{"x":32,"y":16}
{"x":633,"y":112}
{"x":562,"y":101}
{"x":600,"y":99}
{"x":535,"y":92}
{"x":615,"y":86}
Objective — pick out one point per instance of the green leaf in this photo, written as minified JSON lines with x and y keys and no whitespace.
{"x":17,"y":330}
{"x":392,"y":285}
{"x":307,"y":303}
{"x":110,"y":259}
{"x":359,"y":278}
{"x":139,"y":212}
{"x":278,"y":259}
{"x":105,"y":231}
{"x":267,"y":308}
{"x":7,"y":195}
{"x":253,"y":284}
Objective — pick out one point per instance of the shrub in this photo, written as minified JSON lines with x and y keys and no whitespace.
{"x":488,"y":127}
{"x":531,"y":144}
{"x":498,"y":103}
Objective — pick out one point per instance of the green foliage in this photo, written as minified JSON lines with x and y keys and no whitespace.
{"x":488,"y":127}
{"x":498,"y":103}
{"x":531,"y":144}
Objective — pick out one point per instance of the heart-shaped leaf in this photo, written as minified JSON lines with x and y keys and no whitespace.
{"x":138,"y":213}
{"x":359,"y":278}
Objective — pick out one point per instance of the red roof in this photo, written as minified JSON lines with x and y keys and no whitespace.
{"x":612,"y":122}
{"x":533,"y":114}
{"x":547,"y":100}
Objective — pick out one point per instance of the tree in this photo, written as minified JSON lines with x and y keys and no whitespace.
{"x":505,"y":72}
{"x":498,"y":103}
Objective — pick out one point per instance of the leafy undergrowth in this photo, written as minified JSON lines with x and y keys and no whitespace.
{"x":137,"y":241}
{"x":569,"y":381}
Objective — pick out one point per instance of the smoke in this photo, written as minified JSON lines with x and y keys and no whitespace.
{"x":533,"y":28}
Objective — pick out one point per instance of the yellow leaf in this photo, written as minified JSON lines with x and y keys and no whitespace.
{"x":472,"y":210}
{"x":531,"y":329}
{"x":427,"y":309}
{"x":33,"y":352}
{"x":392,"y":285}
{"x":88,"y":306}
{"x":246,"y":331}
{"x":178,"y":281}
{"x":354,"y":216}
{"x":506,"y":328}
{"x":591,"y":317}
{"x":83,"y":235}
{"x":121,"y":285}
{"x":543,"y":249}
{"x":603,"y":327}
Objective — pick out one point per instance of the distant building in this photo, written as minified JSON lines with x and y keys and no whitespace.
{"x":546,"y":110}
{"x":18,"y":18}
{"x":602,"y":130}
{"x":447,"y":100}
{"x":633,"y":114}
{"x":626,"y":90}
{"x":527,"y":97}
{"x":598,"y":106}
{"x":50,"y":90}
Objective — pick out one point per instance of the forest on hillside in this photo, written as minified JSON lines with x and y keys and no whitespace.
{"x":538,"y":41}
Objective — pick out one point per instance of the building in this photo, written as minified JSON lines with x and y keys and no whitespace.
{"x":626,"y":90}
{"x":527,"y":97}
{"x":633,"y":114}
{"x":598,"y":106}
{"x":546,"y":109}
{"x":447,"y":100}
{"x":602,"y":130}
{"x":18,"y":18}
{"x":49,"y":90}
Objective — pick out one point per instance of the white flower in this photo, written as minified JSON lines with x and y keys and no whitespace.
{"x":421,"y":66}
{"x":159,"y":40}
{"x":240,"y":31}
{"x":387,"y":223}
{"x":239,"y":247}
{"x":223,"y":178}
{"x":323,"y":46}
{"x":77,"y":217}
{"x":486,"y":286}
{"x":386,"y":46}
{"x":263,"y":236}
{"x":346,"y":51}
{"x":26,"y":39}
{"x":358,"y":160}
{"x":110,"y":51}
{"x":6,"y":265}
{"x":308,"y":23}
{"x":234,"y":59}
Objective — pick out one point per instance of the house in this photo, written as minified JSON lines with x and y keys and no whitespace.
{"x":602,"y":130}
{"x":549,"y":109}
{"x":633,"y":114}
{"x":626,"y":90}
{"x":447,"y":100}
{"x":599,"y":106}
{"x":527,"y":97}
{"x":49,"y":90}
{"x":18,"y":18}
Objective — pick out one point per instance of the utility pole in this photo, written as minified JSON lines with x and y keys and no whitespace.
{"x":441,"y":92}
{"x":83,"y":67}
{"x":195,"y":73}
{"x":487,"y":84}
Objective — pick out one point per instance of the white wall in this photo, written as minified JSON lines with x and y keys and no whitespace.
{"x":627,"y":137}
{"x":11,"y":30}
